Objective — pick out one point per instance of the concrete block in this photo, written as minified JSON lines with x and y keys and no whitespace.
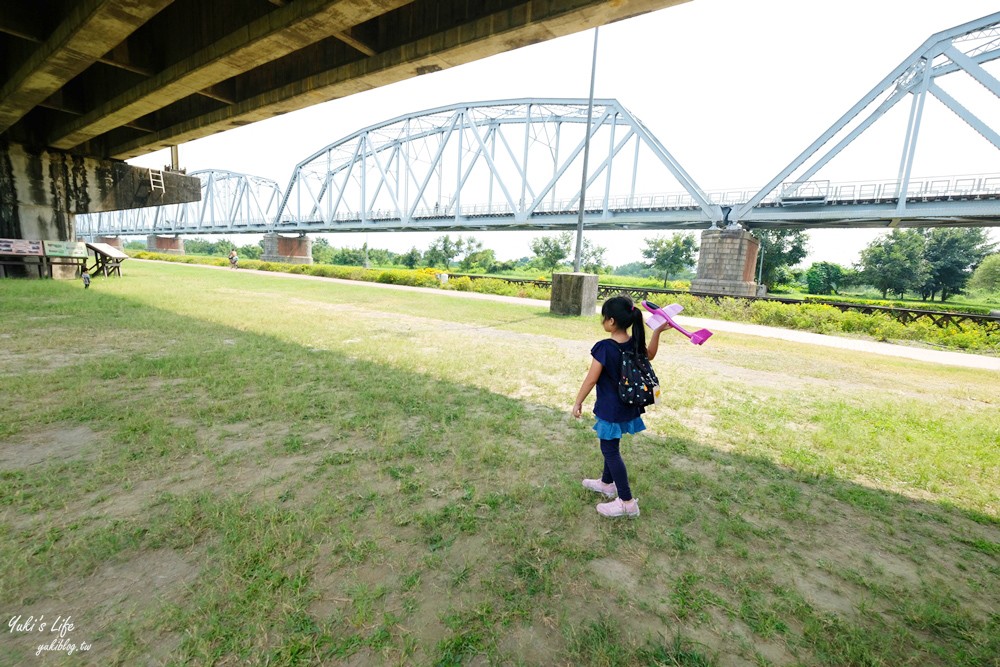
{"x":573,"y":294}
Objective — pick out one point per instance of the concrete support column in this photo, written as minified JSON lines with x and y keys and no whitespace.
{"x":726,"y":263}
{"x":168,"y":244}
{"x":42,"y":191}
{"x":113,"y":241}
{"x":573,"y":294}
{"x":290,"y":250}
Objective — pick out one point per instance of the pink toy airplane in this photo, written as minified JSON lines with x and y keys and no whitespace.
{"x":659,"y":316}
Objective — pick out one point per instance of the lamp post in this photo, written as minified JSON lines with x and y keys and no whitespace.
{"x":586,"y":156}
{"x":760,"y":270}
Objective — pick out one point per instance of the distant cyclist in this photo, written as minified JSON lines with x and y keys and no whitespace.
{"x":234,"y":259}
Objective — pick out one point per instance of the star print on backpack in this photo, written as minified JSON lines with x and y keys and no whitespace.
{"x":638,"y":385}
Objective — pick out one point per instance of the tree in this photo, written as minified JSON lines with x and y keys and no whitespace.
{"x":411,"y":259}
{"x":349,"y":257}
{"x":480,"y":260}
{"x":381,"y":257}
{"x":824,"y":278}
{"x":223,"y":247}
{"x":986,"y":277}
{"x":322,"y":253}
{"x":780,"y":248}
{"x":252,"y":251}
{"x":467,"y":245}
{"x":551,"y":250}
{"x":670,"y":255}
{"x":952,"y":255}
{"x":441,"y":251}
{"x":895,"y":262}
{"x":591,"y":257}
{"x":199,"y":246}
{"x":640,"y":269}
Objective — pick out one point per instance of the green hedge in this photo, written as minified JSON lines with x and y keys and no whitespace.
{"x":414,"y":278}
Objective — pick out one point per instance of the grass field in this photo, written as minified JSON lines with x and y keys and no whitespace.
{"x":208,"y":467}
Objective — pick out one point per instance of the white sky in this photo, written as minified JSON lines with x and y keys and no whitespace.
{"x":734,"y":89}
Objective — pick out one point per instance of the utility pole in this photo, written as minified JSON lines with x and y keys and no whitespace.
{"x":586,"y":156}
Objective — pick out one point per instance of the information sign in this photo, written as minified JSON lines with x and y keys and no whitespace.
{"x":20,"y":247}
{"x":66,"y":249}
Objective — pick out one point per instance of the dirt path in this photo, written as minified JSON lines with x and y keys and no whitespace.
{"x":944,"y":357}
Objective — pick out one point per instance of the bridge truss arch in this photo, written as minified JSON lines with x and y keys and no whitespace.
{"x":508,"y":164}
{"x":935,"y":70}
{"x":231,"y":202}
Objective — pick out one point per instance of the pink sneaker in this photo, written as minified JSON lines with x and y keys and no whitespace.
{"x":619,"y":507}
{"x":609,"y":490}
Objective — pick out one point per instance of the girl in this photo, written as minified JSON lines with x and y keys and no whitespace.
{"x":614,"y":417}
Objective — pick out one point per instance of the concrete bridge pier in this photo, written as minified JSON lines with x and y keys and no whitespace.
{"x":173,"y":245}
{"x":726,"y":263}
{"x":42,"y":190}
{"x":113,"y":241}
{"x":289,"y":250}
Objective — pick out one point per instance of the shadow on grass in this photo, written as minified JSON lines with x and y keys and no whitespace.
{"x":237,"y":497}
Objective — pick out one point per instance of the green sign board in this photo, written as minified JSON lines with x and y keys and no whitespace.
{"x":66,"y":249}
{"x":20,"y":247}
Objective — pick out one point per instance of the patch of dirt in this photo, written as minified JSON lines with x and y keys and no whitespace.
{"x":617,"y":575}
{"x":540,"y":643}
{"x":116,"y":593}
{"x":55,"y":444}
{"x":698,"y":419}
{"x":824,"y":592}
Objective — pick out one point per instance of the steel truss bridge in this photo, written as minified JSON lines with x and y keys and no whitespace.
{"x":518,"y":165}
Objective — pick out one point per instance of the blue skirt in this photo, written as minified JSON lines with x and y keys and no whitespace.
{"x":614,"y":431}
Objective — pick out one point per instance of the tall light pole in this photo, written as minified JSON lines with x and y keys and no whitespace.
{"x":760,"y":271}
{"x":586,"y":156}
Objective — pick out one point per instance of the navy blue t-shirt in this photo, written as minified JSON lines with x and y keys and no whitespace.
{"x":608,"y":406}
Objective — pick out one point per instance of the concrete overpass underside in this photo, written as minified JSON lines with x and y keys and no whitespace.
{"x":91,"y":83}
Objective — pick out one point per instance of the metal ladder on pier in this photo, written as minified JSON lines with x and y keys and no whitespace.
{"x":156,"y":180}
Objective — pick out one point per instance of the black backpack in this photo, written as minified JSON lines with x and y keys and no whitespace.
{"x":638,"y":385}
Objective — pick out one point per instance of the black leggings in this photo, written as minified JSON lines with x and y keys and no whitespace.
{"x":614,"y":468}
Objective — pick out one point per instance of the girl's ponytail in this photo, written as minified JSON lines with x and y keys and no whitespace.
{"x":626,"y":314}
{"x":638,"y":331}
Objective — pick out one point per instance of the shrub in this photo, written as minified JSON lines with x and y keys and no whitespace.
{"x":461,"y":284}
{"x":389,"y":277}
{"x":493,"y":286}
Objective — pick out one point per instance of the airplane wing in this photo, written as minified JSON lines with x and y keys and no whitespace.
{"x":673,"y":309}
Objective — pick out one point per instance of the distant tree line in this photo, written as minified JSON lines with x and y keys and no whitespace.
{"x":931,"y":263}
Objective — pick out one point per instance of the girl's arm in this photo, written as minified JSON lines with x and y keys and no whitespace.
{"x":588,"y":384}
{"x":654,"y":343}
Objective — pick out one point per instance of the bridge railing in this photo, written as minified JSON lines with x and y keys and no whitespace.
{"x":937,"y":188}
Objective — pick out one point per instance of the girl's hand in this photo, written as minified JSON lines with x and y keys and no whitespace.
{"x":578,"y":410}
